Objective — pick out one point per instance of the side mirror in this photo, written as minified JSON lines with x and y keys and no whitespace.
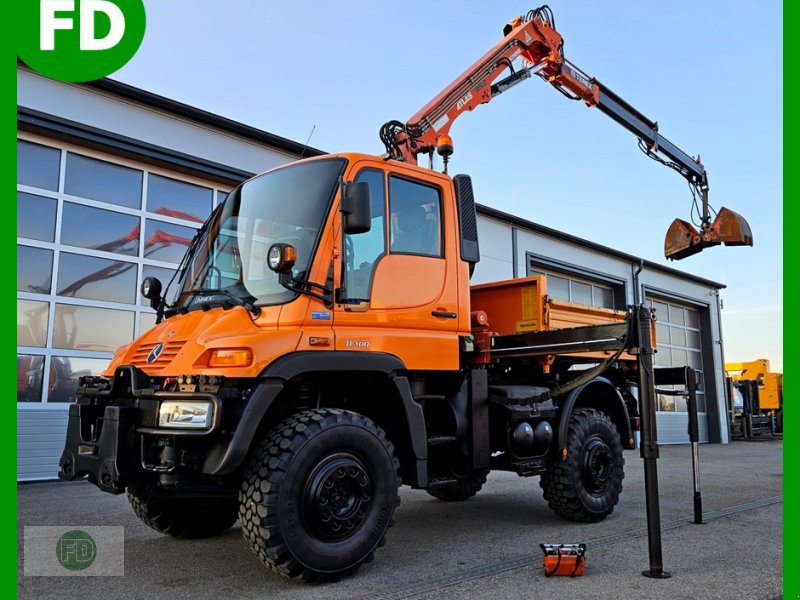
{"x":356,"y":208}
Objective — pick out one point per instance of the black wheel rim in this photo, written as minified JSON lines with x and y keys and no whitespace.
{"x":338,"y":496}
{"x":597,"y":465}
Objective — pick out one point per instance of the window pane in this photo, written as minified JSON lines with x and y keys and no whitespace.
{"x":99,"y":229}
{"x":602,"y":297}
{"x":365,"y":249}
{"x":558,"y":287}
{"x":662,"y":311}
{"x":221,"y":196}
{"x":164,"y":275}
{"x":96,"y":278}
{"x":415,"y":217}
{"x":147,"y":320}
{"x":676,"y":315}
{"x":663,"y":357}
{"x":680,"y":403}
{"x":666,"y":403}
{"x":692,"y":338}
{"x":179,"y":199}
{"x":581,"y":292}
{"x":678,"y":336}
{"x":165,"y":241}
{"x":34,"y":269}
{"x":36,"y":217}
{"x":701,"y":403}
{"x":100,"y":180}
{"x":30,"y":372}
{"x":37,"y":165}
{"x":662,"y":334}
{"x":695,"y":360}
{"x":679,"y":357}
{"x":88,"y":328}
{"x":65,"y":372}
{"x":692,"y":318}
{"x":32,"y":317}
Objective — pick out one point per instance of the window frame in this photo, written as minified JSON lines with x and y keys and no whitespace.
{"x":439,"y":192}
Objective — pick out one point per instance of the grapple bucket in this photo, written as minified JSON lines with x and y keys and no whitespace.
{"x":728,"y":228}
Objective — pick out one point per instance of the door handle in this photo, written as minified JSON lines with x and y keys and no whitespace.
{"x":446,"y":315}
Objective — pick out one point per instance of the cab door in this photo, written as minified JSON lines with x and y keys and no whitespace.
{"x":400,"y":292}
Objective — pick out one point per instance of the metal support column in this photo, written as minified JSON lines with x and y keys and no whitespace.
{"x":649,"y":446}
{"x":694,"y":438}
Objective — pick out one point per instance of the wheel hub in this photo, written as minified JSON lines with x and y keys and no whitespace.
{"x":337,"y":497}
{"x":597,"y":465}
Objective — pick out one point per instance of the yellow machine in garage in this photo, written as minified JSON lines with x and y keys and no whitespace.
{"x":755,"y":398}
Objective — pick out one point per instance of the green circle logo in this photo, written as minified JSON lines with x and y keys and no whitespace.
{"x":79,"y":40}
{"x":76,"y":550}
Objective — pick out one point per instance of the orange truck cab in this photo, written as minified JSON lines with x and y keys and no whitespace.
{"x":321,"y":332}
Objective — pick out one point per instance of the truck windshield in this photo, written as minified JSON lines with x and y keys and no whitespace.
{"x":229,"y":257}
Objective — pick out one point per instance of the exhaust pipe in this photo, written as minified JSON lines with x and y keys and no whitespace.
{"x":728,"y":228}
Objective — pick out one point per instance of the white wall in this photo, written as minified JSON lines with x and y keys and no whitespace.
{"x":110,"y":113}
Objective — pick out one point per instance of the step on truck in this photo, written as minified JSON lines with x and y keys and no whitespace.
{"x":320,"y":345}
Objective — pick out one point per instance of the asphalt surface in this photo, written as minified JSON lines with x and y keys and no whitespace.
{"x":487,"y":547}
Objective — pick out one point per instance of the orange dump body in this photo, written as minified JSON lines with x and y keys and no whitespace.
{"x":523,"y":305}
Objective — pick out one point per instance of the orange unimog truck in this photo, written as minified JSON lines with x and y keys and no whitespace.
{"x":320,"y":345}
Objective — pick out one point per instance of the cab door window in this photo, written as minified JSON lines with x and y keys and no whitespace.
{"x":416,"y":218}
{"x":364,"y":250}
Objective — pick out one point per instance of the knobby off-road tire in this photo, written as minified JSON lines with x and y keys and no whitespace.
{"x":189,"y":518}
{"x":319,"y":494}
{"x":464,"y":488}
{"x":586,"y":487}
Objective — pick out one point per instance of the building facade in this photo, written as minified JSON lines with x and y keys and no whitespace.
{"x":112,"y":183}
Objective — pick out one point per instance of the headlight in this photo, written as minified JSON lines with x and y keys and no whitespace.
{"x":186,"y":414}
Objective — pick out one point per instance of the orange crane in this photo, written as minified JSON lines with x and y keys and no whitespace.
{"x":534,"y":42}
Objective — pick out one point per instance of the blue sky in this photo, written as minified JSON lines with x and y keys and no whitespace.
{"x":709,"y":72}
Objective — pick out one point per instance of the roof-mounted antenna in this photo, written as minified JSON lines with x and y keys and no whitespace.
{"x":308,"y":140}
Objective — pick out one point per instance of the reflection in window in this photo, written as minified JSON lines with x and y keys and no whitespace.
{"x":34,"y":269}
{"x":30,"y":373}
{"x":100,"y":180}
{"x":416,"y":217}
{"x":99,"y":229}
{"x":65,"y":372}
{"x":96,"y":278}
{"x":37,"y":165}
{"x":365,"y":249}
{"x":173,"y":198}
{"x":36,"y":217}
{"x":32,"y":317}
{"x":165,"y":241}
{"x":89,"y":328}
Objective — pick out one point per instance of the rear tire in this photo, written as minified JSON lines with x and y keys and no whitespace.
{"x":464,"y":488}
{"x":188,"y":518}
{"x":319,"y":494}
{"x":586,"y":487}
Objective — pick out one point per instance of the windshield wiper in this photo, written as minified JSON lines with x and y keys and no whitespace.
{"x":256,"y":310}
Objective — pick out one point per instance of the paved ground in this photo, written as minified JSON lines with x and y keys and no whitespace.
{"x":487,"y":547}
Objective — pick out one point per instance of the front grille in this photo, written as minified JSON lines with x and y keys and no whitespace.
{"x":169,"y":352}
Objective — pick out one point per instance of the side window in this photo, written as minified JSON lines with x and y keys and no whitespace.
{"x":363,"y":250}
{"x":416,"y":218}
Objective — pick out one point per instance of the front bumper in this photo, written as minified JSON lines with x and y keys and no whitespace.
{"x":113,"y":437}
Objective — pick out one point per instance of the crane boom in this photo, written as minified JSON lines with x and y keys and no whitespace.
{"x":537,"y":48}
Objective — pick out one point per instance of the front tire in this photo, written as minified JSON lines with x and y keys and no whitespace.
{"x":586,"y":487}
{"x":319,"y":494}
{"x":188,"y":518}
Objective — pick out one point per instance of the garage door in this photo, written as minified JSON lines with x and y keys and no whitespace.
{"x":678,"y":344}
